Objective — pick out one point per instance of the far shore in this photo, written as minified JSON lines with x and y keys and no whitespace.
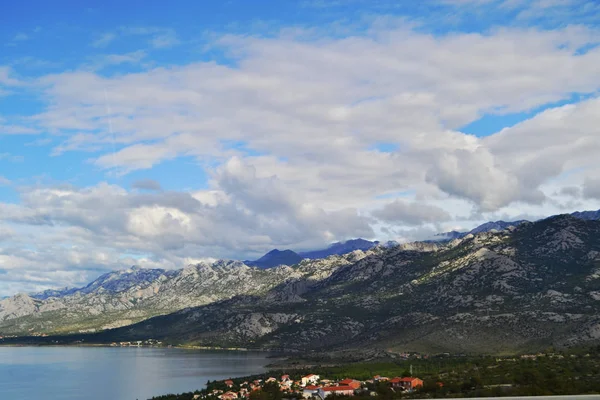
{"x":275,"y":353}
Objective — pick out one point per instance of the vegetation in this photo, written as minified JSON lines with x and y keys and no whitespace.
{"x":577,"y":372}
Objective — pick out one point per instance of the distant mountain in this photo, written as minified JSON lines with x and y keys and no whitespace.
{"x":46,"y":294}
{"x":448,"y":236}
{"x":486,"y":227}
{"x":521,"y":289}
{"x":501,"y":225}
{"x":495,"y":226}
{"x":339,"y":248}
{"x":119,"y":281}
{"x":587,"y":215}
{"x":517,"y":290}
{"x":124,"y":297}
{"x":276,"y":258}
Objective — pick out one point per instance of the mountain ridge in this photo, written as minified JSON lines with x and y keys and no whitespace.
{"x":494,"y":291}
{"x":526,"y":287}
{"x":289,"y":257}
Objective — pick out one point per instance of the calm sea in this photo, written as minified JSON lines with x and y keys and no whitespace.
{"x":100,"y":373}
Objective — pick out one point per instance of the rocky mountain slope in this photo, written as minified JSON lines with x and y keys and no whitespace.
{"x":124,"y":297}
{"x":521,"y":289}
{"x":486,"y":227}
{"x":339,"y":248}
{"x":502,"y":225}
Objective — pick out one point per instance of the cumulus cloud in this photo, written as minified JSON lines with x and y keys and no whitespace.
{"x":475,"y":175}
{"x":305,"y":141}
{"x":571,"y":191}
{"x":147,"y":184}
{"x":591,"y":188}
{"x":6,"y":77}
{"x":310,"y":104}
{"x":411,"y":214}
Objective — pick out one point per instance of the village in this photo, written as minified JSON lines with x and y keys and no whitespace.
{"x":311,"y":386}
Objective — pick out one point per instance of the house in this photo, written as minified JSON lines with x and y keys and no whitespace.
{"x":229,"y":383}
{"x":271,"y":379}
{"x":310,"y":391}
{"x":339,"y":390}
{"x":378,"y":378}
{"x":228,"y":396}
{"x":285,"y":378}
{"x":407,"y":383}
{"x":353,"y":383}
{"x":310,"y":379}
{"x":286,"y":385}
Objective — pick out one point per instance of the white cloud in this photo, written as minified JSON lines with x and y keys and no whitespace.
{"x":158,"y":38}
{"x":322,"y":105}
{"x":164,"y":40}
{"x":101,"y":61}
{"x":405,"y":213}
{"x":20,"y":37}
{"x":591,"y":188}
{"x":104,"y":40}
{"x":6,"y":78}
{"x":11,"y":157}
{"x":147,"y":184}
{"x":288,"y":136}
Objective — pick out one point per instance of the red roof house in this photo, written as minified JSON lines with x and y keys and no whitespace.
{"x":340,"y":390}
{"x":350,"y":382}
{"x":408,"y":383}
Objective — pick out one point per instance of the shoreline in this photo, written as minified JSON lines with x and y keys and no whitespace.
{"x":179,"y":347}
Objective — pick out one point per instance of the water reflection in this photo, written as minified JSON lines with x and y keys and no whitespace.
{"x":68,"y":373}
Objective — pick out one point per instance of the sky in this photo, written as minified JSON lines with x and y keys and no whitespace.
{"x":162,"y":134}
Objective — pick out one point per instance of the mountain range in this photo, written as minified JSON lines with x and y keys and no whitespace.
{"x":486,"y":227}
{"x":277,"y":257}
{"x":523,"y":288}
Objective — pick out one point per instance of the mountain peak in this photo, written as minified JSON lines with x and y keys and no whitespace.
{"x":278,"y":257}
{"x":339,"y":248}
{"x":275,"y":258}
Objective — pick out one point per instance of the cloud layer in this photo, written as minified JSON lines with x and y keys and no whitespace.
{"x":307,"y":136}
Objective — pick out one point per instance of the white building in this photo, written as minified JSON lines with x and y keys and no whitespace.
{"x":310,"y":391}
{"x":310,"y":379}
{"x":340,"y":390}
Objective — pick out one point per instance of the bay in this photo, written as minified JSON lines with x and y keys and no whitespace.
{"x":121,"y":373}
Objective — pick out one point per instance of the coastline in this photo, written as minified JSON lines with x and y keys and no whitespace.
{"x":181,"y":347}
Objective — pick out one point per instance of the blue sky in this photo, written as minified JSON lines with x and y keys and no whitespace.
{"x":71,"y":35}
{"x":163,"y":134}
